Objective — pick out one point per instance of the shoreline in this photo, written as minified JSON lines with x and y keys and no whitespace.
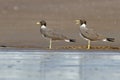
{"x":63,"y":48}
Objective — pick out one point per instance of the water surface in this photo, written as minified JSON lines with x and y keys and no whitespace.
{"x":64,"y":65}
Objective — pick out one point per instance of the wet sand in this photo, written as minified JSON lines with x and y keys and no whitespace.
{"x":18,"y":22}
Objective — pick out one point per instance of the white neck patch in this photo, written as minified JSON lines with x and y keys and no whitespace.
{"x":43,"y":26}
{"x":83,"y":25}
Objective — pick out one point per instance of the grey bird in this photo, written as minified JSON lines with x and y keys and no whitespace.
{"x":91,"y":35}
{"x":51,"y":34}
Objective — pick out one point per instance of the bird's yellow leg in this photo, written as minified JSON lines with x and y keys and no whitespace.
{"x":50,"y":45}
{"x":88,"y":47}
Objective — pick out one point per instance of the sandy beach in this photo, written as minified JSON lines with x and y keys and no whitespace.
{"x":18,"y":22}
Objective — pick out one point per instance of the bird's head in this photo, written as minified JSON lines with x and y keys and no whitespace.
{"x":42,"y":22}
{"x":80,"y":21}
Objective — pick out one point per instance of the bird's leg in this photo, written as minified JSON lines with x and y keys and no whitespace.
{"x":88,"y":47}
{"x":50,"y":45}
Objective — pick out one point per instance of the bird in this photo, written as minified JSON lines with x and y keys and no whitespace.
{"x":90,"y":34}
{"x":51,"y":34}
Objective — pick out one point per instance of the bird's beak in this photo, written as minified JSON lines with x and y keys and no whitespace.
{"x":37,"y":22}
{"x":77,"y":21}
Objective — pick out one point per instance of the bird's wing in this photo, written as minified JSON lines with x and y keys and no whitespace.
{"x":53,"y":34}
{"x":91,"y":34}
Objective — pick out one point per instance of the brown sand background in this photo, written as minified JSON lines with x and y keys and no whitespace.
{"x":18,"y":21}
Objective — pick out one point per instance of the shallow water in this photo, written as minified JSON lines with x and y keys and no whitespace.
{"x":64,"y":65}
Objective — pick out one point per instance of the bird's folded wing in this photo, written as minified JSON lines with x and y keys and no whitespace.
{"x":91,"y":34}
{"x":54,"y":35}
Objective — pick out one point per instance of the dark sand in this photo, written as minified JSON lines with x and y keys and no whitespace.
{"x":18,"y":21}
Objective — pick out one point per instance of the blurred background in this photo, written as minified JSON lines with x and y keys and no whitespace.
{"x":18,"y":20}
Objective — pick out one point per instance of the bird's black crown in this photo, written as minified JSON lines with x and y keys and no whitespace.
{"x":83,"y":22}
{"x":42,"y":22}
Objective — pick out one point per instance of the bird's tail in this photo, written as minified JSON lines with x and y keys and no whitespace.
{"x":70,"y":40}
{"x":109,"y":39}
